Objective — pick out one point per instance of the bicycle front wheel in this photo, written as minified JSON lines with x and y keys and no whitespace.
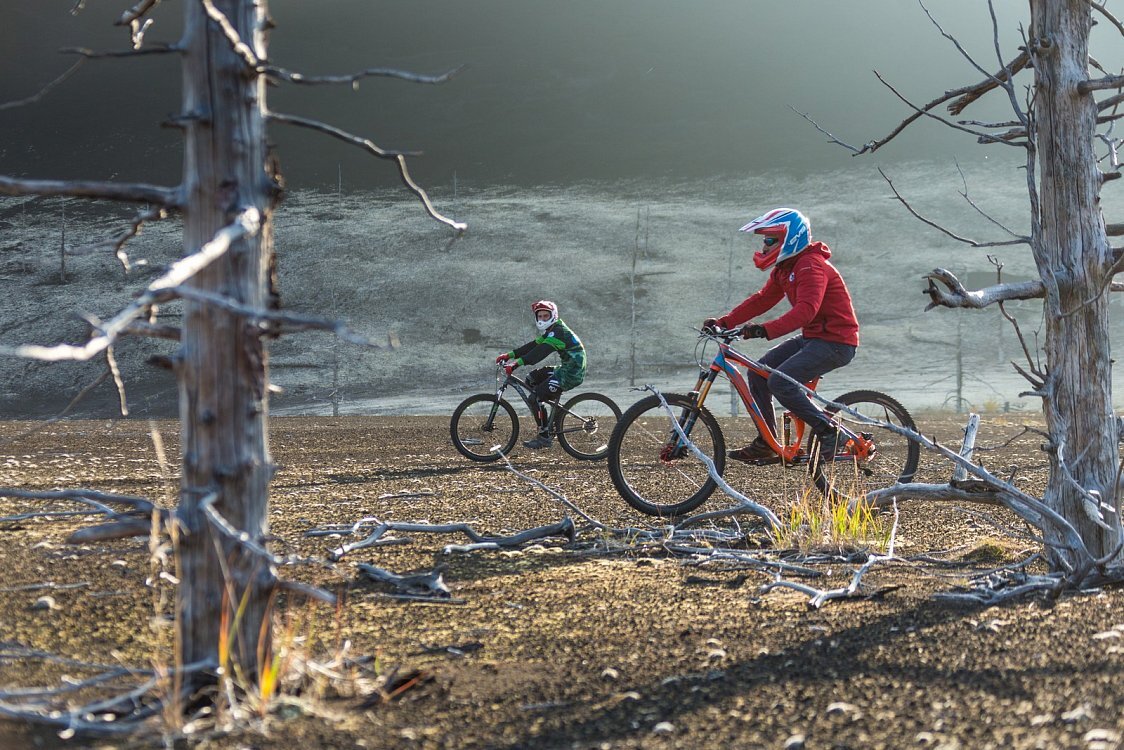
{"x":894,"y":460}
{"x":481,"y":426}
{"x":652,"y":469}
{"x":585,"y":424}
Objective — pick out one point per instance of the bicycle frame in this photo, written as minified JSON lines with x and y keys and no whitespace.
{"x":787,"y":445}
{"x":524,"y":390}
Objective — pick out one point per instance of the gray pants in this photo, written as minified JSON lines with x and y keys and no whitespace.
{"x":802,"y":360}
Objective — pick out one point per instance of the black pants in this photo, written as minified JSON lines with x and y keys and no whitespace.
{"x":802,"y":360}
{"x":544,"y":386}
{"x":545,"y":389}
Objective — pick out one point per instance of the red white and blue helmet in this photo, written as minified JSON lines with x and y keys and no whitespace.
{"x":790,"y":231}
{"x":548,"y":306}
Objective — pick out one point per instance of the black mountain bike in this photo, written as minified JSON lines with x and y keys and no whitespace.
{"x":486,"y":423}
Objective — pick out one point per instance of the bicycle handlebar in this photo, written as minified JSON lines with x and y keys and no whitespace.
{"x":725,"y":334}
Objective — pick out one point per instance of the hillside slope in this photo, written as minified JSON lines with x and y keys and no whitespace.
{"x":376,"y":261}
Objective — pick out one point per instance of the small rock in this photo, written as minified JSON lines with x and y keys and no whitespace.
{"x":664,"y":727}
{"x":1078,"y":714}
{"x":839,"y":707}
{"x":1107,"y":634}
{"x":609,"y":673}
{"x":1102,"y":739}
{"x":45,"y":602}
{"x":716,"y":654}
{"x":795,"y":742}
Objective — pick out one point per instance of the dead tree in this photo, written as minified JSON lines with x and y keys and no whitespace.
{"x":226,"y":282}
{"x":1059,"y":122}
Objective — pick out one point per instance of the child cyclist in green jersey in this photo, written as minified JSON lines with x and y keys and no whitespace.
{"x":548,"y":383}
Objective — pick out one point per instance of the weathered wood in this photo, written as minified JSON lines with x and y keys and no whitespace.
{"x":223,"y":361}
{"x":967,"y":448}
{"x":1073,"y":259}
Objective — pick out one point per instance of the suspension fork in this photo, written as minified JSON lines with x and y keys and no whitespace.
{"x":489,"y":424}
{"x":688,"y":417}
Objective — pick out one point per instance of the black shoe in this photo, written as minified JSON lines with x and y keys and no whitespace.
{"x":542,"y":441}
{"x":830,"y":443}
{"x":758,"y":453}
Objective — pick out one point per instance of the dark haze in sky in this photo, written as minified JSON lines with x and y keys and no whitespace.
{"x":554,"y":91}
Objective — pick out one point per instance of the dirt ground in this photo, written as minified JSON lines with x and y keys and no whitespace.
{"x":564,"y":644}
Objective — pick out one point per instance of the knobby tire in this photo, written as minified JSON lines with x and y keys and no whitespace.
{"x":466,"y":428}
{"x":648,"y":472}
{"x":586,"y":424}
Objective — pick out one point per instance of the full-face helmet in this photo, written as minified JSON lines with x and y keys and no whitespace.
{"x":785,"y":233}
{"x":544,"y":305}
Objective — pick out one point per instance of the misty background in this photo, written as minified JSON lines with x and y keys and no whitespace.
{"x":577,"y":136}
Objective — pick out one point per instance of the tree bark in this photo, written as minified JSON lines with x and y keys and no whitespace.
{"x":1073,"y":257}
{"x":223,"y":367}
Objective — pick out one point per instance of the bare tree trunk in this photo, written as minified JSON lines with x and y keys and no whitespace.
{"x":224,"y":370}
{"x":1073,"y":258}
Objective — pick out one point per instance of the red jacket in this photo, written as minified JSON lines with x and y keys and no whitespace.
{"x":821,"y":304}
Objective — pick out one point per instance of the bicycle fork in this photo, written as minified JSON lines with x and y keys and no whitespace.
{"x":676,"y":446}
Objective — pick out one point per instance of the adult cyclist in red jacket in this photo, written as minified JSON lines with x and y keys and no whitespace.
{"x":821,"y":312}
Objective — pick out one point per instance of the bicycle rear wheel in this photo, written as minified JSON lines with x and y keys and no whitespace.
{"x":895,"y":459}
{"x":652,"y":469}
{"x":481,"y":425}
{"x":585,"y":425}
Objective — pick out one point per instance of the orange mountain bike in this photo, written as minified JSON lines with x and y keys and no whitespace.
{"x":656,"y":472}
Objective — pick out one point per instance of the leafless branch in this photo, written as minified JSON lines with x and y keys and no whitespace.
{"x":244,"y":540}
{"x":114,"y":191}
{"x":565,"y":527}
{"x":1101,"y":84}
{"x":94,"y":498}
{"x":118,"y":715}
{"x":370,"y":147}
{"x":553,"y":493}
{"x":819,"y":597}
{"x":767,"y":515}
{"x":994,"y":81}
{"x":152,"y":330}
{"x":246,"y":224}
{"x":137,"y":12}
{"x":354,"y":78}
{"x":259,"y":66}
{"x":240,"y":48}
{"x":1024,"y":505}
{"x":962,"y":96}
{"x":1100,"y":8}
{"x":287,"y":320}
{"x":957,"y":295}
{"x":1039,"y":377}
{"x":46,"y":89}
{"x":1110,"y":102}
{"x":117,"y":242}
{"x":1019,"y":240}
{"x":152,"y":49}
{"x":921,"y":111}
{"x":1001,"y":79}
{"x":980,"y":211}
{"x":111,"y":363}
{"x":431,"y":584}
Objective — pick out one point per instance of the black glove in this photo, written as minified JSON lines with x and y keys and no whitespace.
{"x":753,"y":331}
{"x":710,"y":325}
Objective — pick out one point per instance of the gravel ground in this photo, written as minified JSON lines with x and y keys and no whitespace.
{"x":563,"y":644}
